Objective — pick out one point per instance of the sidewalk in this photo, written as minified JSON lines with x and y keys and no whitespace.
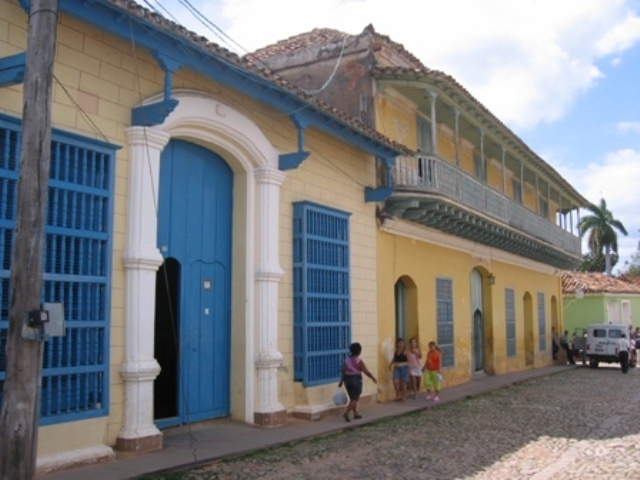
{"x":218,"y":439}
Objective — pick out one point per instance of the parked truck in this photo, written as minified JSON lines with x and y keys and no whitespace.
{"x":602,"y":344}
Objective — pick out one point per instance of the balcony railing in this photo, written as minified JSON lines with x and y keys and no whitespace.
{"x":431,"y":174}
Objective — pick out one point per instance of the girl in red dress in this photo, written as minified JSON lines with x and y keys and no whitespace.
{"x":432,"y":376}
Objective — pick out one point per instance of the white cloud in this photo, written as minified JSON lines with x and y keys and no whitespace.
{"x":615,"y":178}
{"x":621,"y":37}
{"x":628,"y":127}
{"x":526,"y":60}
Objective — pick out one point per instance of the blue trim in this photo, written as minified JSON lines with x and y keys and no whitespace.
{"x":153,"y":114}
{"x":377,"y":194}
{"x":510,"y":321}
{"x":167,"y":422}
{"x":12,"y":69}
{"x":542,"y":322}
{"x":444,"y":320}
{"x":321,"y":292}
{"x":108,"y":16}
{"x":76,"y":270}
{"x":291,"y":161}
{"x":380,"y":194}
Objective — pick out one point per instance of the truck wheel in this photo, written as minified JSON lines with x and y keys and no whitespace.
{"x":593,"y":363}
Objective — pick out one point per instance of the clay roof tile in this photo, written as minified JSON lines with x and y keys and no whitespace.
{"x":590,"y":282}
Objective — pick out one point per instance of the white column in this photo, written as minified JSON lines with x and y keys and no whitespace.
{"x":269,"y":411}
{"x":456,"y":114}
{"x":537,"y":195}
{"x":434,"y":122}
{"x":141,"y":261}
{"x":484,"y":168}
{"x":521,"y":183}
{"x":504,"y":170}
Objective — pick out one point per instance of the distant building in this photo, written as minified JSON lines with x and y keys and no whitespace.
{"x":589,"y":298}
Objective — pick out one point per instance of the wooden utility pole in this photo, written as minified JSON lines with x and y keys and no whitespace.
{"x":20,"y":404}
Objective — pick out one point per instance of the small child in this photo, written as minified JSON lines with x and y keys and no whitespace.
{"x":399,"y":365}
{"x":432,"y":377}
{"x":415,"y":371}
{"x":352,"y":370}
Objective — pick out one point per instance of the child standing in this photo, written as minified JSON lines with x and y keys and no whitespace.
{"x":352,"y":370}
{"x":415,"y":371}
{"x":400,"y":366}
{"x":432,"y":367}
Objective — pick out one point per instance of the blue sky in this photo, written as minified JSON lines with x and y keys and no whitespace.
{"x":564,"y":75}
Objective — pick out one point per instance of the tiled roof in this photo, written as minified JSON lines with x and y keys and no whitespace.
{"x":630,"y":279}
{"x":133,"y":8}
{"x":320,"y":36}
{"x":589,"y":282}
{"x":317,"y":36}
{"x":417,"y":71}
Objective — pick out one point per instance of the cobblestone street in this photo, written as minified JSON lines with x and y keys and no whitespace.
{"x":581,"y":423}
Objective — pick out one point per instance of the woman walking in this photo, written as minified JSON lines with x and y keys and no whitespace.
{"x":352,"y":370}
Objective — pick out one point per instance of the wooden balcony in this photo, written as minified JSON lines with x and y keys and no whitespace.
{"x":438,"y":194}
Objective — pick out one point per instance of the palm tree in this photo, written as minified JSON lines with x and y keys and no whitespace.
{"x":602,"y":235}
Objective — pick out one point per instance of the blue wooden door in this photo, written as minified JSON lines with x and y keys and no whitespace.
{"x":194,"y":228}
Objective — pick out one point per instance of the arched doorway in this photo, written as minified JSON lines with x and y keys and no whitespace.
{"x":166,"y":343}
{"x":406,"y":309}
{"x":477,"y":322}
{"x":529,"y":344}
{"x":194,"y":229}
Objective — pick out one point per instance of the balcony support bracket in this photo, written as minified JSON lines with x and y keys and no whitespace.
{"x":380,"y":194}
{"x":156,"y":113}
{"x":291,"y":161}
{"x":12,"y":69}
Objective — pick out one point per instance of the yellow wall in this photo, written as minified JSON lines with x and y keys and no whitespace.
{"x":104,"y":77}
{"x":494,"y":173}
{"x":423,"y":262}
{"x":396,"y":118}
{"x":332,"y":176}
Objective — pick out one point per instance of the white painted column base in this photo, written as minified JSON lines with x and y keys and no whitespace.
{"x":269,"y":411}
{"x":74,"y":458}
{"x":141,"y":261}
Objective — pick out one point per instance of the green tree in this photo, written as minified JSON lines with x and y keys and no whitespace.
{"x":596,"y":262}
{"x":633,"y":267}
{"x":601,"y":229}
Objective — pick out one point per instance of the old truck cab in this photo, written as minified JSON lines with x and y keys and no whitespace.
{"x":602,"y":343}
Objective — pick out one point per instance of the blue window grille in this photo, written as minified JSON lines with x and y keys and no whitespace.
{"x":444,"y":316}
{"x":321,"y":292}
{"x":510,"y":317}
{"x":542,"y":322}
{"x":76,"y":268}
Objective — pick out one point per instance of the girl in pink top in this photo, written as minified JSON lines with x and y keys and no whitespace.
{"x":415,"y":369}
{"x":352,"y":370}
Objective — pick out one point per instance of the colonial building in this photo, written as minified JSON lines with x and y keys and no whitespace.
{"x":591,"y":297}
{"x":208,"y":233}
{"x":475,"y":229}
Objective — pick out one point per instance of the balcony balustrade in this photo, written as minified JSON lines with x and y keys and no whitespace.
{"x":432,"y":175}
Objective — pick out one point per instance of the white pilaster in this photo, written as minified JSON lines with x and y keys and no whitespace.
{"x":269,"y":410}
{"x":434,"y":121}
{"x":141,"y":261}
{"x":456,"y":116}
